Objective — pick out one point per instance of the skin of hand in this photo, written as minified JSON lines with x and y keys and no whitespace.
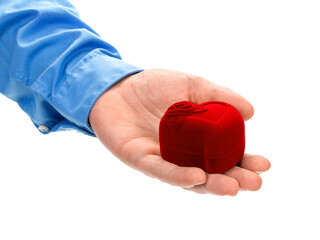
{"x":126,"y":120}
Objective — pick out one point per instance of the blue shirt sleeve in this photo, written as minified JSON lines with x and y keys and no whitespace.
{"x":53,"y":64}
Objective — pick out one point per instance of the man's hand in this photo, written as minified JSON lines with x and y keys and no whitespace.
{"x":126,"y":120}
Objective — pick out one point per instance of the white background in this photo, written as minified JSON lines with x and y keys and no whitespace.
{"x":68,"y":186}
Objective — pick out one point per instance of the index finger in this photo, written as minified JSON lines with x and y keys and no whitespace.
{"x":154,"y":166}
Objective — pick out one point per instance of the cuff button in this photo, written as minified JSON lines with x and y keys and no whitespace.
{"x":43,"y":128}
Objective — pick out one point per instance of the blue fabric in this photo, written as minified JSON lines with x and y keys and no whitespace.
{"x":53,"y":64}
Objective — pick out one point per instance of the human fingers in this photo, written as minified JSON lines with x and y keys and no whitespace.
{"x":245,"y":176}
{"x":197,"y":189}
{"x":220,"y":184}
{"x":202,"y":90}
{"x":154,"y":166}
{"x":247,"y":179}
{"x":255,"y":163}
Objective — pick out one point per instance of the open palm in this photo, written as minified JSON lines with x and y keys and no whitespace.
{"x":126,"y":120}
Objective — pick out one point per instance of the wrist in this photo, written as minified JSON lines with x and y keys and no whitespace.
{"x":105,"y":100}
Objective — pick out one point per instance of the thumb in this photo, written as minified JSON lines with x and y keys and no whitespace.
{"x":202,"y":90}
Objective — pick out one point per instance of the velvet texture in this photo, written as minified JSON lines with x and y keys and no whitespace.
{"x":210,"y":135}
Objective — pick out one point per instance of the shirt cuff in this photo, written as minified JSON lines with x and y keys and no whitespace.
{"x":84,"y":84}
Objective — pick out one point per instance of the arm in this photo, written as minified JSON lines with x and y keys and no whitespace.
{"x":58,"y":70}
{"x":54,"y":65}
{"x":126,"y":120}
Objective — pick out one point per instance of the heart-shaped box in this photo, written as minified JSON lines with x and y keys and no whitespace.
{"x":210,"y":135}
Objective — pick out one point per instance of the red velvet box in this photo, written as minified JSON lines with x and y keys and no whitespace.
{"x":210,"y":135}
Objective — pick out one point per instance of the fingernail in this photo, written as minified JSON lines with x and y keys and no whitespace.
{"x":197,"y":184}
{"x":200,"y":183}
